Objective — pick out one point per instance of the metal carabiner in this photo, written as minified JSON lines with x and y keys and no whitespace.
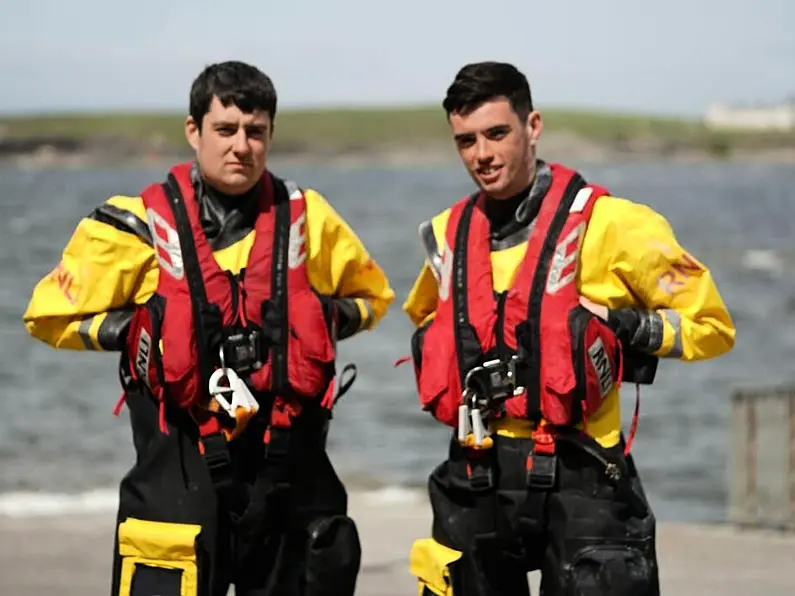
{"x":464,"y":427}
{"x":469,"y":376}
{"x":471,"y":430}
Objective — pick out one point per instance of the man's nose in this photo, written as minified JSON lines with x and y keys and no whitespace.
{"x":483,"y":151}
{"x":241,"y":145}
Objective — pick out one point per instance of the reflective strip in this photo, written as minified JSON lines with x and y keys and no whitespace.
{"x":293,"y":190}
{"x":84,"y":331}
{"x":581,"y":200}
{"x":428,"y":240}
{"x":675,"y":320}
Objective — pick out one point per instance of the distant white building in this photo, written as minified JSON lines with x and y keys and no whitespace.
{"x":780,"y":117}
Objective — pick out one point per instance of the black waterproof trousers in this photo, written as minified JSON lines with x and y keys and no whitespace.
{"x":280,"y":528}
{"x":580,"y":516}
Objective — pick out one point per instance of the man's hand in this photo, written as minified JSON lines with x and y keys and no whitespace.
{"x":634,"y":327}
{"x":597,"y":309}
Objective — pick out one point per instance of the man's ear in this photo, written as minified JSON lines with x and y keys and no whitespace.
{"x":535,"y":126}
{"x":192,"y":132}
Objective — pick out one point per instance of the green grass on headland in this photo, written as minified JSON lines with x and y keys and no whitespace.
{"x":362,"y":129}
{"x":333,"y":127}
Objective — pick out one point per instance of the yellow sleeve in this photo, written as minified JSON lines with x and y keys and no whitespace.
{"x":667,"y":279}
{"x":104,"y":269}
{"x":420,"y":304}
{"x":339,"y":265}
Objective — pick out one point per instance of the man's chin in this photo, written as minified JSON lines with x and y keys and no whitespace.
{"x":496,"y":190}
{"x":238,"y":183}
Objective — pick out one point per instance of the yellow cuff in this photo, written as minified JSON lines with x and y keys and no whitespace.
{"x":365,"y":313}
{"x":93,"y":330}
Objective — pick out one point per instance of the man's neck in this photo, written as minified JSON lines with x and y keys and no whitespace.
{"x":529,"y":184}
{"x":226,"y":218}
{"x":501,"y":211}
{"x":520,"y":210}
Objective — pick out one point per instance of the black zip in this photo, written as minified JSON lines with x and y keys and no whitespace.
{"x":502,"y":348}
{"x":233,"y":289}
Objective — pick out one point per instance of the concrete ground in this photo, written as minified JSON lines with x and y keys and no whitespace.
{"x":71,"y":556}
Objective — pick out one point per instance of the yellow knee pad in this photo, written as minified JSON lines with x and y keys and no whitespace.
{"x":429,"y":562}
{"x":158,"y":557}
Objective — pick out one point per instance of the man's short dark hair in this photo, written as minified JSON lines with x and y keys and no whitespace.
{"x":479,"y":82}
{"x":232,"y":82}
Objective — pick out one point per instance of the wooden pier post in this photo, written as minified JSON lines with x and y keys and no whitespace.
{"x":762,"y":459}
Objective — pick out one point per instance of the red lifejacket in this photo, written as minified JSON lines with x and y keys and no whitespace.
{"x":198,"y":307}
{"x":570,"y":359}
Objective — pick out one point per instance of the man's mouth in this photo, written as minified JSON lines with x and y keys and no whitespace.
{"x":489,"y":173}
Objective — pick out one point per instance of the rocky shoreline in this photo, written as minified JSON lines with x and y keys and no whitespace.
{"x":70,"y":152}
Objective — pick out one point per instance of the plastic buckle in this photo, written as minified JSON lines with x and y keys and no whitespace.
{"x":218,"y":461}
{"x":277,"y":445}
{"x":241,"y":351}
{"x":241,"y":397}
{"x":541,"y":471}
{"x":494,"y":379}
{"x":481,"y":477}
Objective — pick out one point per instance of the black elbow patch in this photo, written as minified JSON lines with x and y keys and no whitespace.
{"x":122,"y":220}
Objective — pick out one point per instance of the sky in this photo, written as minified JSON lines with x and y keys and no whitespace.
{"x":672,"y":57}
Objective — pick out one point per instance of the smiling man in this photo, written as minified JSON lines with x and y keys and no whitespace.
{"x":539,"y":294}
{"x":225,"y":288}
